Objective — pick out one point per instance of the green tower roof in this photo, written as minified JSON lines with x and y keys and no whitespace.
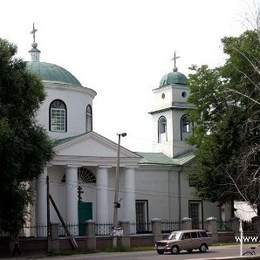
{"x":52,"y":73}
{"x":172,"y":78}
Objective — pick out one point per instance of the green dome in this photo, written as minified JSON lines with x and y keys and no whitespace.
{"x":52,"y":73}
{"x":172,"y":78}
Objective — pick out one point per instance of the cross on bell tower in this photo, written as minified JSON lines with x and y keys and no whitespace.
{"x":174,"y":59}
{"x":33,"y":32}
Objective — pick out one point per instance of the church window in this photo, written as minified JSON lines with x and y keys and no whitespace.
{"x":162,"y":129}
{"x":86,"y":176}
{"x":184,"y":94}
{"x":89,"y":119}
{"x":185,"y":127}
{"x":196,"y":213}
{"x":141,"y":208}
{"x":58,"y":116}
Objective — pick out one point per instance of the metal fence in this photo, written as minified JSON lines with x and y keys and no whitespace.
{"x":141,"y":228}
{"x":169,"y":226}
{"x":224,"y":226}
{"x":105,"y":229}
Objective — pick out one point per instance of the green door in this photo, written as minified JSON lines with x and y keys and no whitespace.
{"x":85,"y":213}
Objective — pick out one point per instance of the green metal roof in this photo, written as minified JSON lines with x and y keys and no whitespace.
{"x":65,"y":140}
{"x":162,"y":159}
{"x":52,"y":73}
{"x":172,"y":78}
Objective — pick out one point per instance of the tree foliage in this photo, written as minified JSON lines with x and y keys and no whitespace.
{"x":227,"y":123}
{"x":24,"y":146}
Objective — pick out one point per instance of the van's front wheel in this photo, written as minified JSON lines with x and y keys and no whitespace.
{"x":160,"y":252}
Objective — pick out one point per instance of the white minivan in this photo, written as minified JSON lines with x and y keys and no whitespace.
{"x":184,"y":240}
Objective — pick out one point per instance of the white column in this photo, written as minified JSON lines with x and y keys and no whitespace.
{"x":102,"y":195}
{"x":41,"y":204}
{"x":129,"y":198}
{"x":72,"y":196}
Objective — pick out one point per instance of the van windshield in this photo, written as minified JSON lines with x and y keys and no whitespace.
{"x":174,"y":235}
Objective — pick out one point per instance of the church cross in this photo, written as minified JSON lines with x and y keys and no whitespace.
{"x":33,"y":32}
{"x":80,"y":191}
{"x":175,"y":57}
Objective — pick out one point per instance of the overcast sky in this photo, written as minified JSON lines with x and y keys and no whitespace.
{"x":122,"y":48}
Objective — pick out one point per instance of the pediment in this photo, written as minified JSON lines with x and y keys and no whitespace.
{"x":91,"y":144}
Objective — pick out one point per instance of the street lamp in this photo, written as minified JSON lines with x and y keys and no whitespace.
{"x":116,"y":203}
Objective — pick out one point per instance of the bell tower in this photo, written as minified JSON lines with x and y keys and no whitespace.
{"x":170,"y":123}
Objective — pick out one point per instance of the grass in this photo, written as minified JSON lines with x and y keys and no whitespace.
{"x":225,"y":244}
{"x":128,"y":249}
{"x":113,"y":249}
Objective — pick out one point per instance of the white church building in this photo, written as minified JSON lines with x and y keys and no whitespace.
{"x":82,"y":173}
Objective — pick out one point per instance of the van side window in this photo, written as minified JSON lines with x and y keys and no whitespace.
{"x":203,"y":234}
{"x":186,"y":236}
{"x":193,"y":234}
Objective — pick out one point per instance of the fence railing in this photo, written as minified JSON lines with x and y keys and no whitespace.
{"x":249,"y":226}
{"x":105,"y":229}
{"x":224,"y":225}
{"x":169,"y":226}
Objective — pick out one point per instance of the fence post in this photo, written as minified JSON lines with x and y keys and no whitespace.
{"x":212,"y":228}
{"x":55,"y":242}
{"x":186,"y":223}
{"x":157,"y":229}
{"x":91,"y":234}
{"x":125,"y":224}
{"x":256,"y":224}
{"x":235,"y":225}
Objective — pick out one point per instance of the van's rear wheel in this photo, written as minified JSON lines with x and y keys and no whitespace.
{"x":175,"y":250}
{"x":160,"y":252}
{"x":203,"y":248}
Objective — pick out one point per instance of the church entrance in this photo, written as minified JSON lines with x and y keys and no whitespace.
{"x":85,"y":213}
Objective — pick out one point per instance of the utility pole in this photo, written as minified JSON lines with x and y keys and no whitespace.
{"x":48,"y":216}
{"x":116,"y":203}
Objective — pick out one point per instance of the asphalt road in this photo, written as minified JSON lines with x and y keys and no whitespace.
{"x":213,"y":252}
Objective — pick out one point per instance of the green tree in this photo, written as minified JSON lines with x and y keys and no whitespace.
{"x":24,"y":146}
{"x":227,"y":123}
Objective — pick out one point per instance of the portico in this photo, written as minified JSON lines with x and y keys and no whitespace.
{"x":97,"y":191}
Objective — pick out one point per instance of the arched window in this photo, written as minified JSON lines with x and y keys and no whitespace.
{"x":58,"y":116}
{"x":86,"y":176}
{"x":162,"y":129}
{"x":88,"y":119}
{"x":185,"y":127}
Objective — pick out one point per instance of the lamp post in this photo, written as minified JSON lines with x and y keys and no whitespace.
{"x":116,"y":204}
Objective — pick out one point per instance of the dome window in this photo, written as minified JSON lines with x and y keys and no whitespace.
{"x":89,"y":120}
{"x":58,"y":116}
